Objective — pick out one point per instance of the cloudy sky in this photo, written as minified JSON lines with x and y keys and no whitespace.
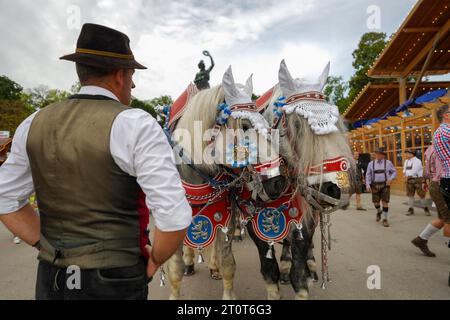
{"x":169,"y":37}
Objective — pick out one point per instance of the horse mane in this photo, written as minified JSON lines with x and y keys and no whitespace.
{"x":200,"y":108}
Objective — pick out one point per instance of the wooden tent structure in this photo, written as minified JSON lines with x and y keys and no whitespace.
{"x":419,"y":48}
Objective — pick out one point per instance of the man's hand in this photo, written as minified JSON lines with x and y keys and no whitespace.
{"x":165,"y":244}
{"x":369,"y":189}
{"x":388,"y":183}
{"x":152,"y":267}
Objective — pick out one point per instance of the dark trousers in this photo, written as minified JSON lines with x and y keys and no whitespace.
{"x":129,"y":283}
{"x":445,"y":190}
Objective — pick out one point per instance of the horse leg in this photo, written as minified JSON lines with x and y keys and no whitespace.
{"x":311,"y":260}
{"x":269,"y":267}
{"x":285,"y":262}
{"x":213,"y":264}
{"x":188,"y":258}
{"x":300,"y":246}
{"x":175,"y":267}
{"x":238,"y":231}
{"x":226,"y":263}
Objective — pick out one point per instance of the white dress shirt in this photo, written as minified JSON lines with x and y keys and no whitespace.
{"x":416,"y":170}
{"x":138,"y":146}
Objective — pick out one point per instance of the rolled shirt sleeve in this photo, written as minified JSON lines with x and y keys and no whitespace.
{"x":140,"y":148}
{"x":369,"y":174}
{"x":16,"y":182}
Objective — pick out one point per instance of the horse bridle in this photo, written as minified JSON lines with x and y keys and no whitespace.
{"x":311,"y":195}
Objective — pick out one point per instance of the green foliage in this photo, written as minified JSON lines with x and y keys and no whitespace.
{"x":152,"y":106}
{"x":369,"y":47}
{"x":42,"y":96}
{"x":12,"y":113}
{"x":9,"y":90}
{"x":336,"y":90}
{"x":342,"y":93}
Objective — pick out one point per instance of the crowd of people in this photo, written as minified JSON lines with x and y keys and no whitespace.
{"x":433,"y":176}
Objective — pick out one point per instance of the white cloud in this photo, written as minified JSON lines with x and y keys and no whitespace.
{"x":169,"y":37}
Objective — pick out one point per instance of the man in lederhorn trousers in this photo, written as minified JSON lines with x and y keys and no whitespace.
{"x":379,"y":176}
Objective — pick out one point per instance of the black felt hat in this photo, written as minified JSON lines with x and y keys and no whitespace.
{"x":411,"y":152}
{"x":381,"y":151}
{"x":103,"y":47}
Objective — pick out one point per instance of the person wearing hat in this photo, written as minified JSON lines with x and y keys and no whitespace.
{"x":413,"y":173}
{"x":379,"y":176}
{"x":88,"y":158}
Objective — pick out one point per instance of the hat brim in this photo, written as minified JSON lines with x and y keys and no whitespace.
{"x":381,"y":152}
{"x":103,"y":62}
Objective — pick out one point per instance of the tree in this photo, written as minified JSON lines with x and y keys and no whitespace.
{"x":369,"y":47}
{"x":9,"y":90}
{"x":336,"y":91}
{"x":12,"y":113}
{"x":42,"y":96}
{"x":13,"y":110}
{"x":152,"y":107}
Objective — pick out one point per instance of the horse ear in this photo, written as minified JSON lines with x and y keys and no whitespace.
{"x":287,"y":84}
{"x":323,"y":79}
{"x":228,"y":84}
{"x":249,"y":86}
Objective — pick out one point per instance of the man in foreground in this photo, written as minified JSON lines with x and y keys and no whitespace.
{"x":88,"y":158}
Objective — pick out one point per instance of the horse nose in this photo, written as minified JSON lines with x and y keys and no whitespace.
{"x":332,"y":190}
{"x":275,"y":187}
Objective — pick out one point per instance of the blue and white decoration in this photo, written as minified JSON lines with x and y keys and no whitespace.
{"x":200,"y":231}
{"x":272,"y":222}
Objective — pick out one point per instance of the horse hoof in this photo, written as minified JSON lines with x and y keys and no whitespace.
{"x":284,"y":279}
{"x":189,"y":271}
{"x":302,"y":295}
{"x":215,"y":274}
{"x":229,"y":296}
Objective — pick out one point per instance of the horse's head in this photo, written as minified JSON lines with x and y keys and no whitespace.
{"x":233,"y":134}
{"x":314,"y":142}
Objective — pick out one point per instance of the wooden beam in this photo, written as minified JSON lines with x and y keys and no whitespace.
{"x":380,"y":136}
{"x":419,"y":111}
{"x":420,"y":29}
{"x":432,"y":105}
{"x":403,"y":137}
{"x":402,"y":90}
{"x":393,"y":40}
{"x":425,"y":50}
{"x":395,"y":119}
{"x":435,"y":122}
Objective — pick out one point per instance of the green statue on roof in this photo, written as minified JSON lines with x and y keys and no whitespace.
{"x":202,"y":77}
